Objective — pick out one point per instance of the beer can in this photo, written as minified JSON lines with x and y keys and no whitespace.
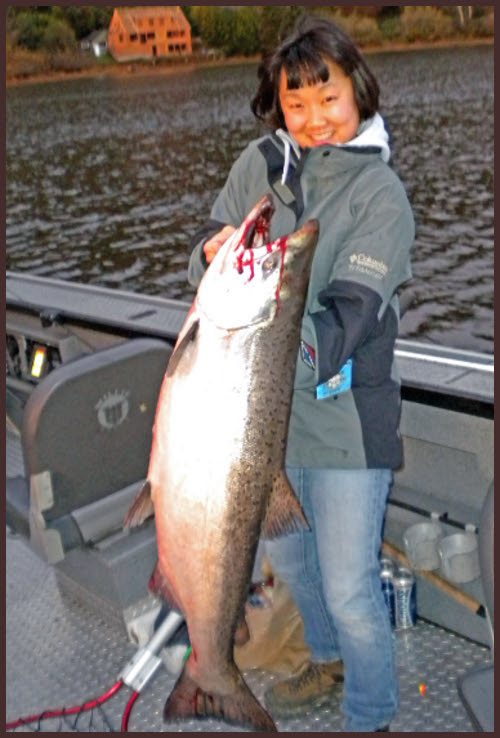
{"x":386,"y":574}
{"x":405,"y":605}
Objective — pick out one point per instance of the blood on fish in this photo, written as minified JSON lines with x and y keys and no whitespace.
{"x":249,"y":262}
{"x":281,"y":243}
{"x":261,"y":228}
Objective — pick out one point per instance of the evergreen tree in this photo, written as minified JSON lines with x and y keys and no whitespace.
{"x":275,"y":22}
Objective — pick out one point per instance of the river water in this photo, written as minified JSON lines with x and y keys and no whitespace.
{"x":107,"y":179}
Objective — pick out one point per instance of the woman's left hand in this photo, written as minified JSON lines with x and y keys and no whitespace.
{"x":211,"y":247}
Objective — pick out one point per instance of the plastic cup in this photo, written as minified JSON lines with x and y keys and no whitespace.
{"x":420,"y":542}
{"x":459,"y":557}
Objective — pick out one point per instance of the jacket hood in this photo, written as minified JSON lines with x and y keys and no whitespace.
{"x":371,"y":133}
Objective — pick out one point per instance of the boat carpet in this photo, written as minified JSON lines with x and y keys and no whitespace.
{"x":60,"y":652}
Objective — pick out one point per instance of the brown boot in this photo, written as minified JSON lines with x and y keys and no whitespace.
{"x":312,"y":686}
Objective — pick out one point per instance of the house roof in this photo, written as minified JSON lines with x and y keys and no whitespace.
{"x":128,"y":15}
{"x":100,"y":34}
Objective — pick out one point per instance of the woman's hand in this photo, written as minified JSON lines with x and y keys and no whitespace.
{"x":213,"y":244}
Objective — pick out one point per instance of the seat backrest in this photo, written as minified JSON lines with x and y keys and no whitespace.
{"x":89,"y":423}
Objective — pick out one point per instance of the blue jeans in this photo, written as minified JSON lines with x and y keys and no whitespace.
{"x":333,"y":575}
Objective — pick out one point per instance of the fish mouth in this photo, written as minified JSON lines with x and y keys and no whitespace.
{"x":254,"y":236}
{"x":251,"y":244}
{"x":250,"y":277}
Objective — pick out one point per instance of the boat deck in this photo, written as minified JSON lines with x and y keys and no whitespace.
{"x":60,"y":653}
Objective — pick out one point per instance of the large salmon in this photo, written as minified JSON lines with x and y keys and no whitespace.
{"x":216,"y":473}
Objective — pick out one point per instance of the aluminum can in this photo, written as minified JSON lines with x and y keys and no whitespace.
{"x":405,"y":603}
{"x":386,"y":574}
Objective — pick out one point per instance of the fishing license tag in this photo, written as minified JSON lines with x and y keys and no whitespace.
{"x":337,"y":384}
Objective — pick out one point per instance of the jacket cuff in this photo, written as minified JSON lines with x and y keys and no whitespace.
{"x":197,"y":265}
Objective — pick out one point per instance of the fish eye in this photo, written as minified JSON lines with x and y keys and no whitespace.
{"x":270,"y":263}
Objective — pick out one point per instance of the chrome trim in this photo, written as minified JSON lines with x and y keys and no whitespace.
{"x":459,"y":363}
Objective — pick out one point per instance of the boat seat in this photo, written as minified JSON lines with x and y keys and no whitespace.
{"x":476,"y":692}
{"x":476,"y":686}
{"x":86,"y":436}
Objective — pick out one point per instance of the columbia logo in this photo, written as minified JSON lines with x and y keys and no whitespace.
{"x":365,"y":263}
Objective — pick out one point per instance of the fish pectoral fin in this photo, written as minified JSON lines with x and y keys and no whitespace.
{"x":239,"y":707}
{"x":141,"y":509}
{"x":182,"y":346}
{"x":158,"y":585}
{"x":284,"y":511}
{"x":242,"y":634}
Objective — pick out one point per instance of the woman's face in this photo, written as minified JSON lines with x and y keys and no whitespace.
{"x":321,"y":113}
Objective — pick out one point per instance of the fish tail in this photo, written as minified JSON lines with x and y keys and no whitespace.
{"x":240,"y":707}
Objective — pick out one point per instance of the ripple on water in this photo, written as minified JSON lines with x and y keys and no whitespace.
{"x":108,"y":180}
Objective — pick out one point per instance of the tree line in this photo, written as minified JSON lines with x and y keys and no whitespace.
{"x":53,"y":28}
{"x":249,"y":30}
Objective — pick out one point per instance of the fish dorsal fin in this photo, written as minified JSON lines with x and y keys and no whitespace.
{"x":141,"y":509}
{"x":181,"y":347}
{"x":284,"y":511}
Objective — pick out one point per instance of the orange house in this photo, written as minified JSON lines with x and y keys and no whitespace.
{"x":145,"y":32}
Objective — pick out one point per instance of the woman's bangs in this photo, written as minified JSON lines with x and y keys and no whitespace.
{"x":304,"y":67}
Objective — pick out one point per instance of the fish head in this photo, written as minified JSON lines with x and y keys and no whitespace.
{"x":250,"y":278}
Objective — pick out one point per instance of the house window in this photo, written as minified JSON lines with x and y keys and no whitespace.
{"x":151,"y":34}
{"x":143,"y":38}
{"x":121,"y":38}
{"x":170,"y":47}
{"x":133,"y":37}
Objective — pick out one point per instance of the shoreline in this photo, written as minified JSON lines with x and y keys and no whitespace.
{"x":144,"y":69}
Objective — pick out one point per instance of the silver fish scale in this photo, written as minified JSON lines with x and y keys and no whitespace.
{"x":62,"y":652}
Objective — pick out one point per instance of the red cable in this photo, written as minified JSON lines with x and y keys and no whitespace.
{"x":69,"y":711}
{"x":128,"y":710}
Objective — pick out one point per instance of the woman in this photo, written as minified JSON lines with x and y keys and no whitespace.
{"x":327,"y":158}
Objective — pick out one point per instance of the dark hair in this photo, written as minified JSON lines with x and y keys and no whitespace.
{"x":302,"y":55}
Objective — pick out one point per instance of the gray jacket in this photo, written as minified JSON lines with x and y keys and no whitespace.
{"x":351,"y":316}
